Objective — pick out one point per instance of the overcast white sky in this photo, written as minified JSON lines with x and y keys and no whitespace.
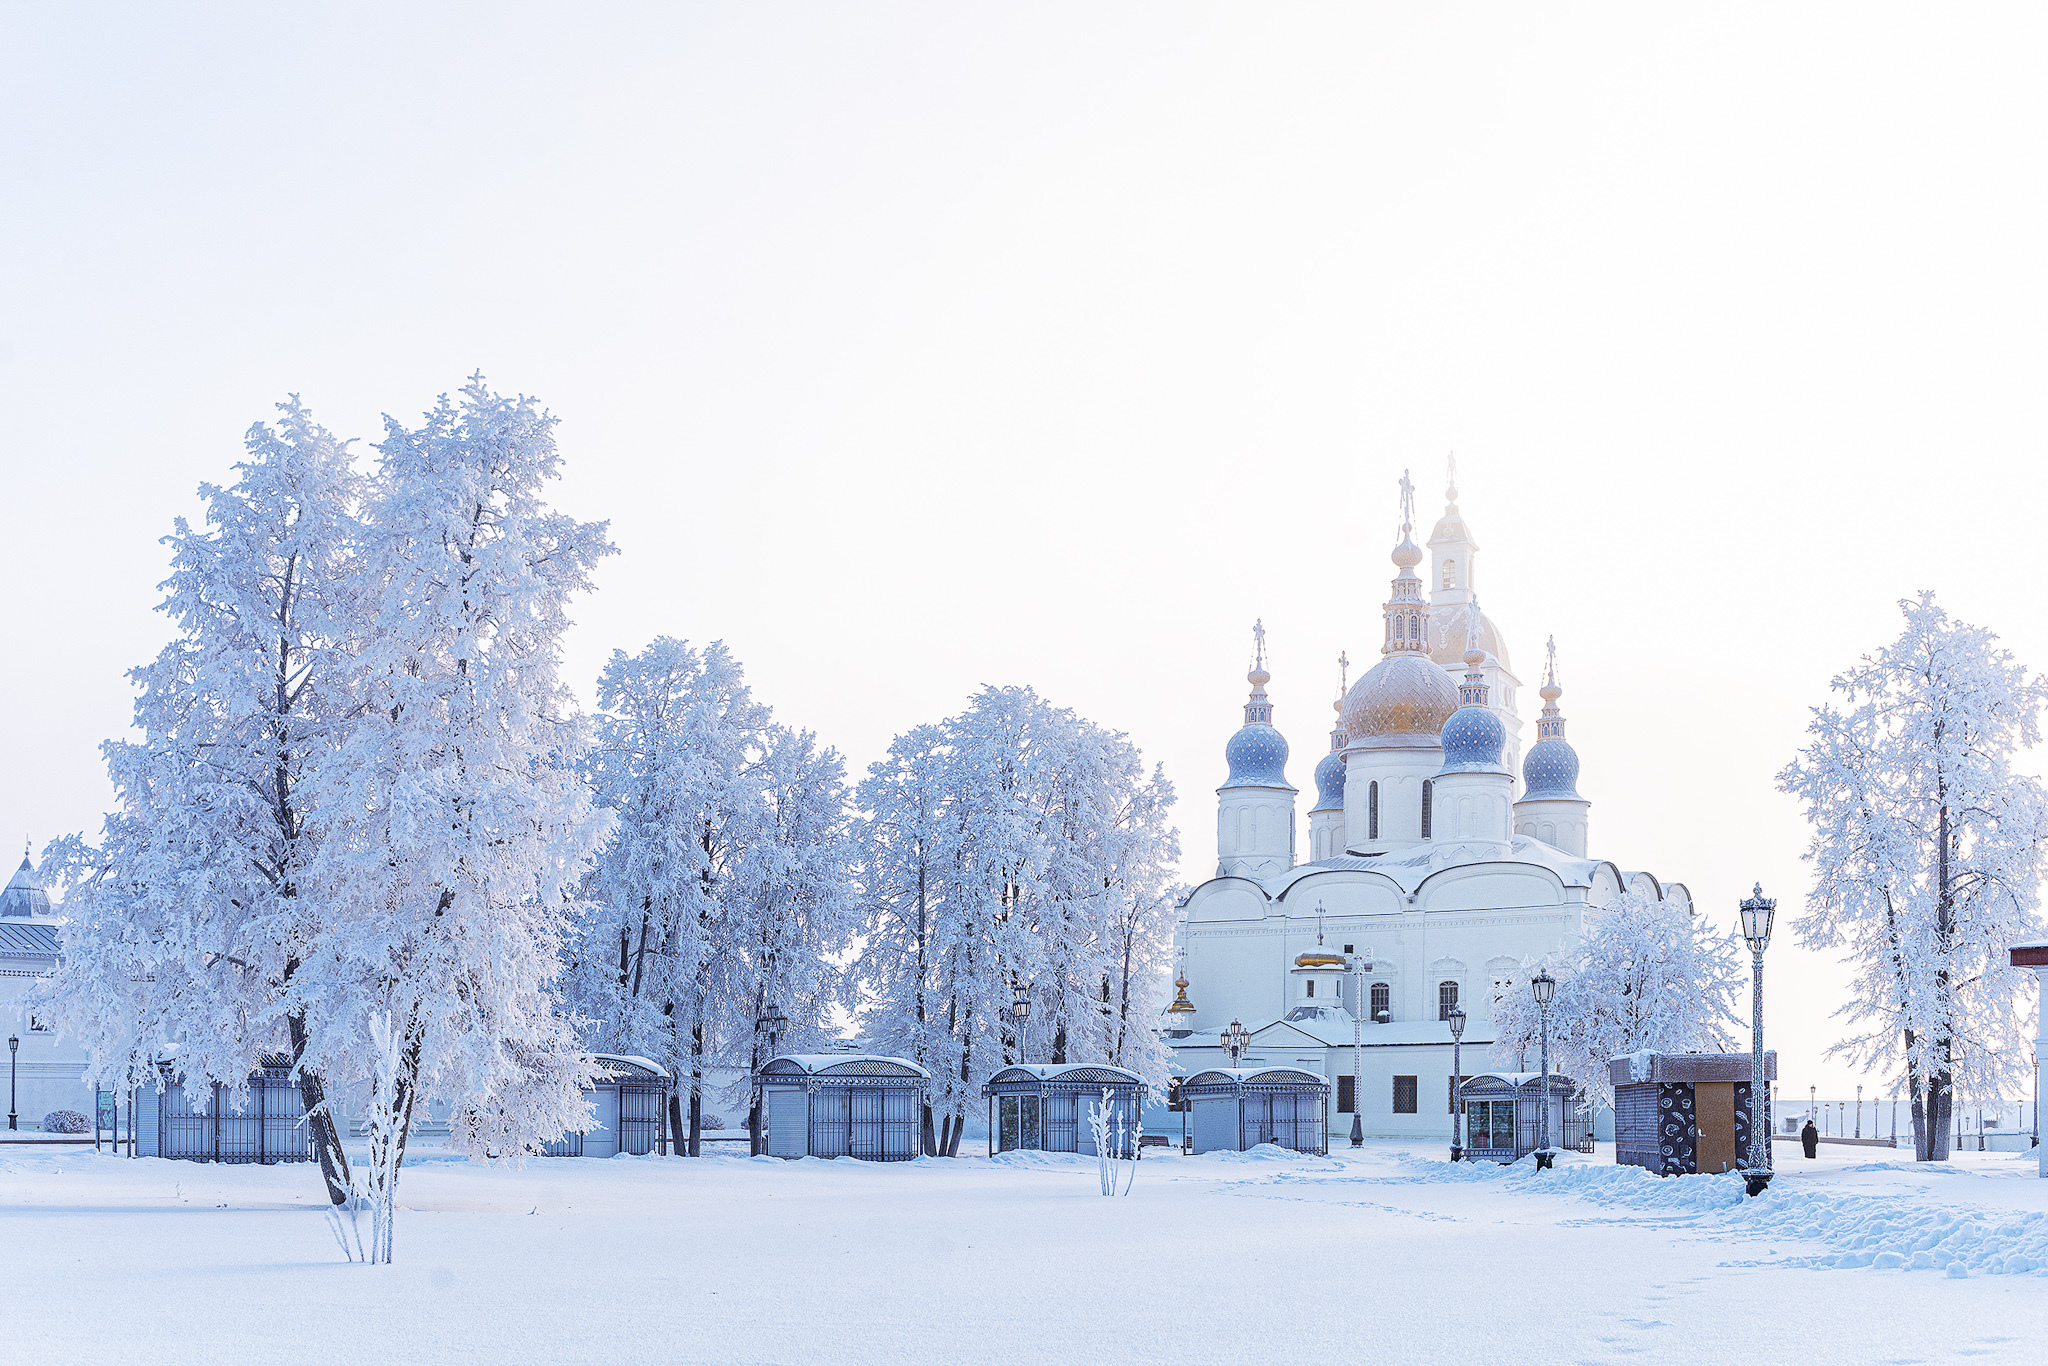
{"x":916,"y":347}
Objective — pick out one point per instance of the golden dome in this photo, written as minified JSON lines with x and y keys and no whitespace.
{"x":1448,"y":628}
{"x":1403,"y":697}
{"x":1320,"y":960}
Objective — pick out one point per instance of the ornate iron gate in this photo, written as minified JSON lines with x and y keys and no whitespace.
{"x":643,"y":1119}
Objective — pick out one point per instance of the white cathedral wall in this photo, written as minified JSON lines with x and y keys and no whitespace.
{"x":47,"y":1067}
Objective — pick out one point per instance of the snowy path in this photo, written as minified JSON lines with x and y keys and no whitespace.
{"x":733,"y":1260}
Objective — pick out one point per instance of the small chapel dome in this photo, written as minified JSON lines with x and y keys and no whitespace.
{"x":1551,"y":769}
{"x":1330,"y":782}
{"x":1473,"y":739}
{"x":1258,"y":758}
{"x":1403,"y":699}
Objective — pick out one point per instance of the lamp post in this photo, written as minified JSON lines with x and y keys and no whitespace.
{"x":13,"y":1049}
{"x":1757,"y":912}
{"x":769,"y":1021}
{"x":1236,"y":1038}
{"x":1021,"y":1009}
{"x":1456,"y":1019}
{"x":1859,"y":1112}
{"x":1361,"y":964}
{"x":1544,"y":986}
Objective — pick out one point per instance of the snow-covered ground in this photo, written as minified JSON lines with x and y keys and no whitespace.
{"x":1391,"y":1254}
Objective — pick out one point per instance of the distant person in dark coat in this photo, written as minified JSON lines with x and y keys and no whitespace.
{"x":1809,"y":1139}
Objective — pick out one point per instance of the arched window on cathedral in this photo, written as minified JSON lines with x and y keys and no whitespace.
{"x":1414,"y":627}
{"x":1372,"y":811}
{"x":1311,"y":987}
{"x":1450,"y":573}
{"x":1428,"y":798}
{"x":1446,"y":999}
{"x":1382,"y":1001}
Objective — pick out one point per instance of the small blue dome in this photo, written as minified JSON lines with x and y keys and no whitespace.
{"x":1551,"y":769}
{"x":1330,"y":782}
{"x":1257,"y":757}
{"x":1473,"y":739}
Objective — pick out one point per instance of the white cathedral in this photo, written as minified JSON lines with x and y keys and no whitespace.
{"x":1424,"y":862}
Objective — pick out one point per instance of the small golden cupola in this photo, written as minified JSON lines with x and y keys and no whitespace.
{"x":1319,"y":973}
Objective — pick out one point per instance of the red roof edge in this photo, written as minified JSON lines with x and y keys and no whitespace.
{"x":2030,"y":955}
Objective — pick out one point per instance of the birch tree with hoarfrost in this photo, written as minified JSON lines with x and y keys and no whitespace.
{"x":192,"y":934}
{"x":1926,"y":853}
{"x":1642,"y":974}
{"x":458,"y":830}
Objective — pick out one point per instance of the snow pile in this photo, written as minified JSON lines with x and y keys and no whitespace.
{"x":1865,"y":1231}
{"x":1889,"y":1233}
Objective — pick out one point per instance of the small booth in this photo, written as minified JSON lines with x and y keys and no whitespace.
{"x":1236,"y":1108}
{"x":202,"y":1125}
{"x":1680,"y":1113}
{"x":842,"y":1105}
{"x":1504,"y":1116}
{"x":631,"y":1098}
{"x":1045,"y":1106}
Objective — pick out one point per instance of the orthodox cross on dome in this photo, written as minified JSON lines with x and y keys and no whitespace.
{"x":1319,"y":924}
{"x":1257,"y":710}
{"x":1550,"y":725}
{"x":1407,"y":503}
{"x":1472,"y":692}
{"x":1451,"y":483}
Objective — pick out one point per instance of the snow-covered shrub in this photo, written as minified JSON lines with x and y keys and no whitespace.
{"x":66,"y":1122}
{"x":711,"y":1122}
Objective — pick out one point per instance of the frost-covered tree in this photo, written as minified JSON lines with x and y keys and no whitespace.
{"x":1014,"y":845}
{"x":191,"y":926}
{"x":457,"y":829}
{"x":1643,"y":974}
{"x":725,"y":886}
{"x":791,"y":910}
{"x":1926,"y":852}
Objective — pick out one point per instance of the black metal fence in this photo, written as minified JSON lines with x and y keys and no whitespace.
{"x":269,"y":1128}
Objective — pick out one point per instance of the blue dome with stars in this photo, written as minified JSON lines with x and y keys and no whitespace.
{"x":1258,"y":758}
{"x":1330,"y":782}
{"x":1551,"y":769}
{"x":1473,"y":739}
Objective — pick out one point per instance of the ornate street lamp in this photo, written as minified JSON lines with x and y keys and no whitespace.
{"x":1544,"y":987}
{"x":13,"y":1048}
{"x":770,"y":1021}
{"x":1020,"y":1007}
{"x":1859,"y":1112}
{"x":1456,"y":1020}
{"x":1757,"y":913}
{"x":1361,"y":964}
{"x":1237,"y":1039}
